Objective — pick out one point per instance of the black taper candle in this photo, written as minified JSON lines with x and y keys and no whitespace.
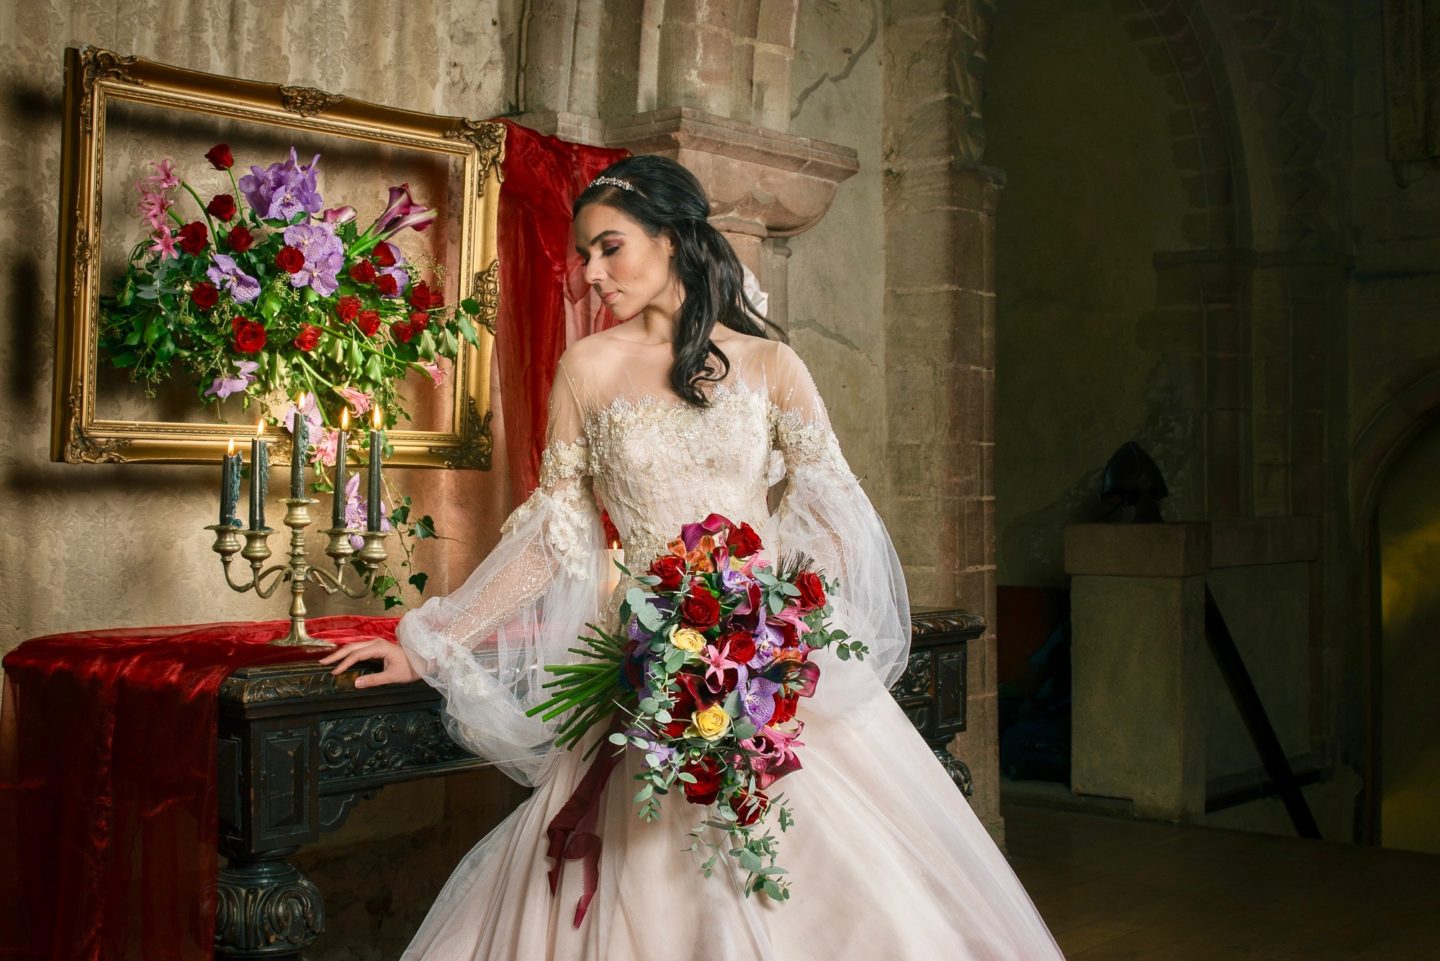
{"x":337,"y":516}
{"x":372,"y":505}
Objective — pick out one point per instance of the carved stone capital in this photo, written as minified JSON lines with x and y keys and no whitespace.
{"x":761,"y":183}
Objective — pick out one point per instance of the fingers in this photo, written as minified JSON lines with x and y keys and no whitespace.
{"x":350,"y":654}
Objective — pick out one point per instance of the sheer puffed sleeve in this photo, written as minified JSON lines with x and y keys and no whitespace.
{"x":484,"y":647}
{"x":824,"y":513}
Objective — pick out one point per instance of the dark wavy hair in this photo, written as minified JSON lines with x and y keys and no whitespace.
{"x":668,"y":199}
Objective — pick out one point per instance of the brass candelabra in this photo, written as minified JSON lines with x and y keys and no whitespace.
{"x":297,"y":569}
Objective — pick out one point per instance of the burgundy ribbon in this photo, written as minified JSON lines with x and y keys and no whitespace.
{"x":572,"y":829}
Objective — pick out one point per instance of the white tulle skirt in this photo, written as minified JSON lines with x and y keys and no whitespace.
{"x":886,"y":861}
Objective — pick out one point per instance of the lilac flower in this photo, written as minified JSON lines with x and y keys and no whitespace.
{"x":164,"y":244}
{"x":767,"y":641}
{"x":308,"y":409}
{"x":227,"y":275}
{"x":324,"y":256}
{"x":282,"y":190}
{"x":358,"y":400}
{"x":758,"y":700}
{"x":223,"y":387}
{"x":734,"y":580}
{"x":355,"y":511}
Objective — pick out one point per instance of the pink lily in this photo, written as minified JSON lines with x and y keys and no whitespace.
{"x":358,"y":400}
{"x":436,"y":372}
{"x":164,"y":244}
{"x":164,"y":176}
{"x":721,"y":673}
{"x":773,"y":753}
{"x":153,"y":206}
{"x":326,"y":448}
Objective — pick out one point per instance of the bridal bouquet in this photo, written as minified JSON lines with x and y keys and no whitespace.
{"x":263,"y":291}
{"x":705,"y":678}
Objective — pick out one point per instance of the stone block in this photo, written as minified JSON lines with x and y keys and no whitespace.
{"x":1137,"y":720}
{"x":1137,"y":550}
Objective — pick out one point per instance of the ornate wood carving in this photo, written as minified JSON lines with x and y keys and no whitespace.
{"x":308,"y":101}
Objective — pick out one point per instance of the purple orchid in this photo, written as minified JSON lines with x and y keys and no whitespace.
{"x":758,"y":700}
{"x":737,"y":581}
{"x":324,"y":256}
{"x":355,"y":508}
{"x":223,"y":387}
{"x":282,"y":190}
{"x":227,"y":275}
{"x":768,"y":640}
{"x":308,"y":409}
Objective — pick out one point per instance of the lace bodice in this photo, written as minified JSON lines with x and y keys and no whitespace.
{"x":619,"y":439}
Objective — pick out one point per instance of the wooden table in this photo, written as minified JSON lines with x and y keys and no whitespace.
{"x":299,"y":748}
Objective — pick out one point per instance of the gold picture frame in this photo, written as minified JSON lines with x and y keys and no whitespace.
{"x":467,"y":152}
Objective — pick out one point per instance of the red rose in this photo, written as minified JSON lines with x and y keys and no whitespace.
{"x":308,"y":337}
{"x":193,"y":237}
{"x":368,"y":321}
{"x":249,"y":337}
{"x":707,"y":773}
{"x":748,"y":807}
{"x":290,"y":260}
{"x":240,"y":239}
{"x":419,"y":320}
{"x":204,"y":295}
{"x":742,"y":541}
{"x":363,"y":272}
{"x":347,"y":307}
{"x":788,"y":631}
{"x":683,"y":706}
{"x":222,"y":206}
{"x":700,"y":609}
{"x":812,"y":590}
{"x":437,"y":299}
{"x":419,"y":296}
{"x":237,"y":322}
{"x":671,"y":571}
{"x":220,"y":157}
{"x":384,"y":256}
{"x":742,"y":646}
{"x":784,"y":707}
{"x":387,"y":284}
{"x":402,"y":332}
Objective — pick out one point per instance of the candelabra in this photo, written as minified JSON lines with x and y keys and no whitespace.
{"x":297,"y":569}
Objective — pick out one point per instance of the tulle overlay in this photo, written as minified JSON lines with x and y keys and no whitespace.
{"x":885,"y":858}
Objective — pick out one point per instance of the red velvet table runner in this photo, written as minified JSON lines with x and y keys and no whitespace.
{"x":108,"y":817}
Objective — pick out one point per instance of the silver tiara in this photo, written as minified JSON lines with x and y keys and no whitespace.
{"x":613,"y":182}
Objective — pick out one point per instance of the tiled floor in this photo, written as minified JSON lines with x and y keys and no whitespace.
{"x":1120,"y":890}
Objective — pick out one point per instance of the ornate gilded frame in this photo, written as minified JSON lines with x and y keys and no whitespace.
{"x":96,"y":77}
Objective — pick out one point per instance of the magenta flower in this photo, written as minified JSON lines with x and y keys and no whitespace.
{"x":282,"y":190}
{"x":153,"y":206}
{"x":164,"y":244}
{"x":335,"y":216}
{"x":358,"y":400}
{"x":436,"y":372}
{"x":772,"y":754}
{"x":324,"y":256}
{"x":326,"y":449}
{"x":398,"y":271}
{"x":164,"y":176}
{"x":227,"y":275}
{"x":402,"y":212}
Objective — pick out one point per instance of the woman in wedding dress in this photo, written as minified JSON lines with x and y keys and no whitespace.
{"x":683,"y":410}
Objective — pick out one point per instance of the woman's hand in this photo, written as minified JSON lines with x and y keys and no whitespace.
{"x":397,"y":666}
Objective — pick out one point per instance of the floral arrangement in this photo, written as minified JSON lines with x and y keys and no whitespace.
{"x":264,"y":292}
{"x":705,"y":678}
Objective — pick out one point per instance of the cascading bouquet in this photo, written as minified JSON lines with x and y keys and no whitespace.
{"x":263,"y":293}
{"x":705,"y":678}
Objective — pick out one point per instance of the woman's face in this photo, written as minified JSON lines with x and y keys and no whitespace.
{"x":629,"y":269}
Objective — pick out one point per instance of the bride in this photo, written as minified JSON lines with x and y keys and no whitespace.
{"x":684,"y":410}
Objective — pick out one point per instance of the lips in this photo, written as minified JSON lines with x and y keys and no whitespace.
{"x":610,"y":297}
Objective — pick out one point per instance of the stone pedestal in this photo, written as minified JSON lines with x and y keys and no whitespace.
{"x":1138,"y":612}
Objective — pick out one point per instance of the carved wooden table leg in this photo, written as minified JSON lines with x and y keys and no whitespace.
{"x":266,"y":908}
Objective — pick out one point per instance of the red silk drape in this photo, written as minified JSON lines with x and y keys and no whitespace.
{"x":542,"y":177}
{"x":108,"y":817}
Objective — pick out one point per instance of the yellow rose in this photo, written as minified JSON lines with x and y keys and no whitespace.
{"x":688,"y":639}
{"x":711,"y":724}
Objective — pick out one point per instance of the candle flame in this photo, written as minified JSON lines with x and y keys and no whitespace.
{"x":376,"y":419}
{"x":260,"y":428}
{"x":231,"y":449}
{"x":345,"y":418}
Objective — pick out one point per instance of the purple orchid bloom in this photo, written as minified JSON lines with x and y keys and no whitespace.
{"x":324,"y":256}
{"x":355,"y":508}
{"x":223,"y":387}
{"x":308,"y":409}
{"x":767,"y":641}
{"x":227,"y":275}
{"x":402,"y":212}
{"x":282,"y":190}
{"x":737,"y":581}
{"x":758,"y":700}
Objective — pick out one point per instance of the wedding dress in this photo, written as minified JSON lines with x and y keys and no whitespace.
{"x":885,"y":858}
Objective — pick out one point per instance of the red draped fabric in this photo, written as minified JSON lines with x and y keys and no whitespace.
{"x":538,"y":291}
{"x":108,"y":817}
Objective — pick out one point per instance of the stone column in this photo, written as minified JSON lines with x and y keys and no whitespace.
{"x":940,"y":205}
